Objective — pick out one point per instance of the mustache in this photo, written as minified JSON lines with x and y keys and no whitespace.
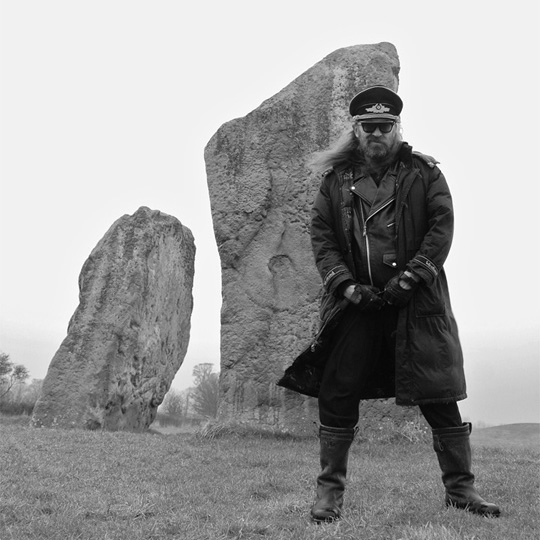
{"x":375,"y":139}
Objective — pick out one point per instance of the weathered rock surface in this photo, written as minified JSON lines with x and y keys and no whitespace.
{"x":129,"y":334}
{"x":261,"y":195}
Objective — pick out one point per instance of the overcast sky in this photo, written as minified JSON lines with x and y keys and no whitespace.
{"x":107,"y":106}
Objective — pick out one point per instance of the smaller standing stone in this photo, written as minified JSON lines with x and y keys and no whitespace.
{"x":129,"y":335}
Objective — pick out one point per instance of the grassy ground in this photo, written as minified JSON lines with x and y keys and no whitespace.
{"x":67,"y":485}
{"x":511,"y":436}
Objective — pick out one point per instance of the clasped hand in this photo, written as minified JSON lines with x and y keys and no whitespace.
{"x":367,"y":298}
{"x":397,"y":292}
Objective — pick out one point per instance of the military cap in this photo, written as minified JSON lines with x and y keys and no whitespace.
{"x":376,"y":102}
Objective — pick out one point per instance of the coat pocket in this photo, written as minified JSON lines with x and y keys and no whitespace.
{"x":428,"y":302}
{"x":390,"y":259}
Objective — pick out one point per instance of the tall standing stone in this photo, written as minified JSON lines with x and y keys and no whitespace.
{"x":261,"y":194}
{"x":129,"y":334}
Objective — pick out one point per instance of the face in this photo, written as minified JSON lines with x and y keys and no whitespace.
{"x":376,"y":146}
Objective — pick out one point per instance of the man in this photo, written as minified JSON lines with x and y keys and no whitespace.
{"x":382,"y":227}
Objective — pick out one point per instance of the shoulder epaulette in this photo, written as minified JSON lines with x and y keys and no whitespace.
{"x":327,"y":172}
{"x":428,"y":160}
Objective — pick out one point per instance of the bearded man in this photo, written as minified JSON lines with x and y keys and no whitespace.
{"x":382,"y":227}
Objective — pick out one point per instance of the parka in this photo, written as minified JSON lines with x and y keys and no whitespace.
{"x":428,"y":355}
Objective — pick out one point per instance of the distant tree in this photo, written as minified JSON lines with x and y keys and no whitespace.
{"x":34,"y":390}
{"x":173,"y":404}
{"x":10,"y":374}
{"x":205,"y":395}
{"x":202,"y":371}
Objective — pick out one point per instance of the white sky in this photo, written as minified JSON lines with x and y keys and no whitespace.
{"x":106,"y":106}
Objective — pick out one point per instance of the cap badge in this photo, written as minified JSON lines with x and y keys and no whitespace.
{"x":378,"y":108}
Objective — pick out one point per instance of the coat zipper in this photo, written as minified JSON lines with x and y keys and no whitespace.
{"x":365,"y":235}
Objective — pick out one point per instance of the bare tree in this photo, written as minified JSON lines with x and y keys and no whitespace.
{"x":202,"y":371}
{"x":10,"y":374}
{"x":173,"y":404}
{"x":205,"y":395}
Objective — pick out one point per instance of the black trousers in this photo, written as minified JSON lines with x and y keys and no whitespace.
{"x":362,"y":343}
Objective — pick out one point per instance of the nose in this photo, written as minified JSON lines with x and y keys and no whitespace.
{"x":377,"y":132}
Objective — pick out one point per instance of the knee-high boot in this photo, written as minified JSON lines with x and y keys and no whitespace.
{"x":335,"y":444}
{"x":453,"y":449}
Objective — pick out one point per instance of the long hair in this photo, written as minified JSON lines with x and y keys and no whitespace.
{"x":344,"y":151}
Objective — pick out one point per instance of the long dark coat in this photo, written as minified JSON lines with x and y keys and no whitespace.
{"x":428,"y":356}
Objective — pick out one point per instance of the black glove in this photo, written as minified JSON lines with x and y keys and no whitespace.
{"x":395,"y":295}
{"x":366,"y":298}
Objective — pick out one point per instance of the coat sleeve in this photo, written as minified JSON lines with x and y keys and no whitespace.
{"x":435,"y":246}
{"x":325,"y":238}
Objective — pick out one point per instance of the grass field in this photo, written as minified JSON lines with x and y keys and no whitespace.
{"x":57,"y":484}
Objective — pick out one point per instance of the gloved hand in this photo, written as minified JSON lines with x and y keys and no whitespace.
{"x":399,"y":290}
{"x":364,"y":296}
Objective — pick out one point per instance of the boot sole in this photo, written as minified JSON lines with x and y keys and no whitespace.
{"x":478,"y":511}
{"x":325,"y":520}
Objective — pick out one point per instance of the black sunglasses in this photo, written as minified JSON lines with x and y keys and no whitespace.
{"x":384,"y":127}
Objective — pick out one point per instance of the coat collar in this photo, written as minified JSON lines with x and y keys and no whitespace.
{"x":404,"y":158}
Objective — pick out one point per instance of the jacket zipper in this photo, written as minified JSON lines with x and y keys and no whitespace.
{"x":365,"y":234}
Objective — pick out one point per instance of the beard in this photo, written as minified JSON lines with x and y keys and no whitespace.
{"x":377,"y":150}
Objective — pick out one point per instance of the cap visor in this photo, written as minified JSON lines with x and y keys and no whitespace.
{"x":375,"y":117}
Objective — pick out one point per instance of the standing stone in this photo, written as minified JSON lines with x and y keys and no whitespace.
{"x":261,"y":195}
{"x":129,"y":334}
